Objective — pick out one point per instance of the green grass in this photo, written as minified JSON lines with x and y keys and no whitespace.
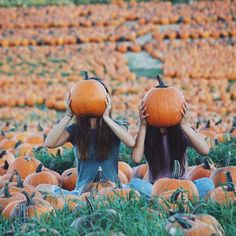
{"x":218,"y":154}
{"x":132,"y":218}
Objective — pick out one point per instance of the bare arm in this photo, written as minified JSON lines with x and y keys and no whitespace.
{"x":58,"y":135}
{"x":138,"y":150}
{"x":120,"y":132}
{"x":195,"y":139}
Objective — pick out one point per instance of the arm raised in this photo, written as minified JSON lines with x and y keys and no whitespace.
{"x":138,"y":150}
{"x":197,"y":141}
{"x":119,"y":131}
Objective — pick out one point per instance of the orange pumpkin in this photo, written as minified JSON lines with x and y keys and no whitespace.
{"x":88,"y":98}
{"x":69,"y":178}
{"x":164,"y":105}
{"x":24,"y":166}
{"x":224,"y":194}
{"x":41,"y":177}
{"x":201,"y":171}
{"x":166,"y":184}
{"x":125,"y":168}
{"x":219,"y":177}
{"x":32,"y":207}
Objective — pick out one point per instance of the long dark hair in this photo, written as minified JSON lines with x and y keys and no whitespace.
{"x":154,"y":150}
{"x":103,"y":136}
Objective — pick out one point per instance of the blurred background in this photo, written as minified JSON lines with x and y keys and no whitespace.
{"x":44,"y":45}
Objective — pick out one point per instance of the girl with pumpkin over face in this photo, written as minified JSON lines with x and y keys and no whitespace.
{"x":161,"y":146}
{"x":96,"y":141}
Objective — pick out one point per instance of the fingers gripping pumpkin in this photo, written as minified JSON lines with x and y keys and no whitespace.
{"x":164,"y":105}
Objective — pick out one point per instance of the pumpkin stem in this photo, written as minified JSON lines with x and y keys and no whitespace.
{"x":175,"y":195}
{"x":118,"y":183}
{"x":208,"y":124}
{"x":183,"y":223}
{"x":230,"y":184}
{"x":98,"y":176}
{"x":6,"y":165}
{"x":86,"y":77}
{"x":18,"y":144}
{"x":218,"y":122}
{"x":7,"y":194}
{"x":29,"y":201}
{"x":39,"y":168}
{"x":198,"y":207}
{"x":229,"y":158}
{"x":3,"y":153}
{"x":206,"y":164}
{"x":25,"y":127}
{"x":20,"y":183}
{"x":89,"y":205}
{"x":176,"y":171}
{"x":161,"y":82}
{"x":198,"y":124}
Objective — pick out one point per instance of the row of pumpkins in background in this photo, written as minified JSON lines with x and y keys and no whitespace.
{"x":90,"y":15}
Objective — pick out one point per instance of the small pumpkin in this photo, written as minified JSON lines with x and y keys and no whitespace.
{"x":201,"y":171}
{"x":219,"y":177}
{"x":98,"y":183}
{"x":164,"y":105}
{"x":194,"y":225}
{"x":224,"y":194}
{"x":69,"y":178}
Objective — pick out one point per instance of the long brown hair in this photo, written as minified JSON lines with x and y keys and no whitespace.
{"x":154,"y":151}
{"x":103,"y":136}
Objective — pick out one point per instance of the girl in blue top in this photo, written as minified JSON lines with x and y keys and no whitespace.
{"x":96,"y":142}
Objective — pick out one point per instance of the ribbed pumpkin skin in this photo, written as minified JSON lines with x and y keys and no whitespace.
{"x":88,"y":98}
{"x":164,"y":106}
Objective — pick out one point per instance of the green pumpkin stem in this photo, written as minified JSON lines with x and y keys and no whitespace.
{"x":184,"y":223}
{"x":7,"y":194}
{"x":206,"y":164}
{"x":176,"y":171}
{"x":98,"y":176}
{"x":118,"y":183}
{"x":230,"y":184}
{"x":86,"y":77}
{"x":20,"y":183}
{"x":2,"y":153}
{"x":89,"y":205}
{"x":218,"y":122}
{"x":161,"y":82}
{"x":29,"y":200}
{"x":39,"y":168}
{"x":208,"y":124}
{"x":198,"y":207}
{"x":6,"y":165}
{"x":175,"y":195}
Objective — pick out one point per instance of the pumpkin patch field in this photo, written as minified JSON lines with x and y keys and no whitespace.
{"x":45,"y":49}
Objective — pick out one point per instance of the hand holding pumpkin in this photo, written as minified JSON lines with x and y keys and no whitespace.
{"x":68,"y":101}
{"x":142,"y":115}
{"x":185,"y":113}
{"x":108,"y":106}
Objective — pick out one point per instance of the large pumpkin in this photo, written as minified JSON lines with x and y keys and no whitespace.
{"x":164,"y":105}
{"x":88,"y":98}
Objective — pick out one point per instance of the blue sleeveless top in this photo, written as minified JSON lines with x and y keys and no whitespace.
{"x":87,"y":170}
